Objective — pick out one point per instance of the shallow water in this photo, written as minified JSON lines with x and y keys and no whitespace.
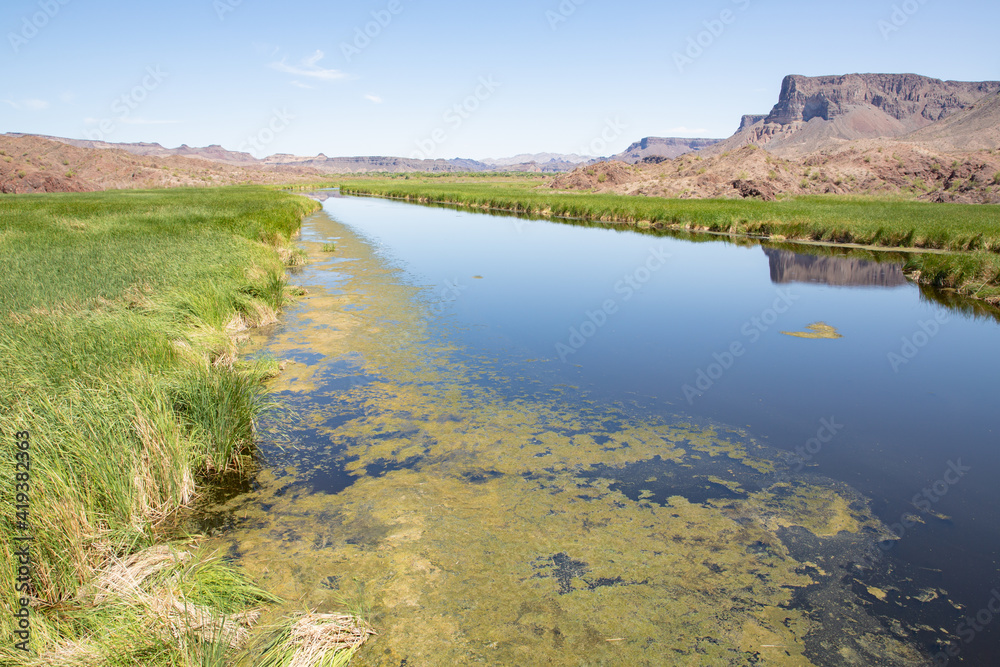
{"x":523,"y":442}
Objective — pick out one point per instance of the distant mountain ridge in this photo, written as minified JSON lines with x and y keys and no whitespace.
{"x":542,"y":162}
{"x":668,"y":147}
{"x":540,"y":158}
{"x":662,"y":147}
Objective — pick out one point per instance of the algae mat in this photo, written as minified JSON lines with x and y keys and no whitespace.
{"x":488,"y":517}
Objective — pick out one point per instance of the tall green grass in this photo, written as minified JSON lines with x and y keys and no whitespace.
{"x":973,"y":230}
{"x":117,"y":315}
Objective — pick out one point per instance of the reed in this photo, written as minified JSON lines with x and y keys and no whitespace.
{"x":119,"y":319}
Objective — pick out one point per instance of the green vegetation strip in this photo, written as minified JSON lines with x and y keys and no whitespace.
{"x":970,"y":232}
{"x":118,"y":320}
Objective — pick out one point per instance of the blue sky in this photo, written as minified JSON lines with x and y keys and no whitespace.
{"x":443,"y":78}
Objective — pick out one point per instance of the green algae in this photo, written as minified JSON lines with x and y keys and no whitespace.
{"x":816,"y":330}
{"x":496,"y":533}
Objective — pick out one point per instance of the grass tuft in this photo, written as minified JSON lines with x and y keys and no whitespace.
{"x":316,"y":640}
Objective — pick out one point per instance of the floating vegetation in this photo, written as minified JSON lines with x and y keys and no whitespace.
{"x":501,"y":525}
{"x":816,"y":330}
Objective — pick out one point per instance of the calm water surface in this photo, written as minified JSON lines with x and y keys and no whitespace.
{"x":524,"y":442}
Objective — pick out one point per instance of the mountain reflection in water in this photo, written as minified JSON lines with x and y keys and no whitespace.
{"x":791,"y":267}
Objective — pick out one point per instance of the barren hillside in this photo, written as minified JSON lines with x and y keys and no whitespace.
{"x":873,"y":167}
{"x":34,"y":164}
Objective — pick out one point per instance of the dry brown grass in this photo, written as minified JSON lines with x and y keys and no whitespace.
{"x":127,"y":581}
{"x":316,"y":636}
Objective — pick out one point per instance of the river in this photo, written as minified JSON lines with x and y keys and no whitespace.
{"x":517,"y":441}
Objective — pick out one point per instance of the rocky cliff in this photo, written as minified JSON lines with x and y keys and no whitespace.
{"x":975,"y":128}
{"x":910,"y":98}
{"x":751,"y":119}
{"x":813,"y":113}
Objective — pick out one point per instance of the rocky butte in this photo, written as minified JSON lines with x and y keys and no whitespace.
{"x":816,"y":112}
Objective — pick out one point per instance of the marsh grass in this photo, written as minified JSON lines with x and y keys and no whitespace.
{"x":118,"y":318}
{"x":315,"y":640}
{"x":164,"y":605}
{"x":971,"y":232}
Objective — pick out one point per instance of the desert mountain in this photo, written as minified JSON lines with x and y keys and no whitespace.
{"x":36,"y":164}
{"x":873,"y":134}
{"x":868,"y":167}
{"x":214,"y":153}
{"x":543,"y":162}
{"x":662,"y":147}
{"x":974,"y":128}
{"x":540,"y":158}
{"x":814,"y":113}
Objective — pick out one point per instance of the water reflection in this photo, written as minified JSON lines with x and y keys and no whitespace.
{"x":791,"y":267}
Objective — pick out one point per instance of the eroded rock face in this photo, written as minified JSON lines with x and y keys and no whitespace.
{"x":906,"y":97}
{"x":749,"y":120}
{"x":41,"y":182}
{"x":822,"y":112}
{"x":748,"y":189}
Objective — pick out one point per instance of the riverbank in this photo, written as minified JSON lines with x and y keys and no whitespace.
{"x":969,"y":234}
{"x":121,"y":315}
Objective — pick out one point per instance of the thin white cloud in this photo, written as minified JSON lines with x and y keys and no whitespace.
{"x":266,"y":49}
{"x":67,"y":97}
{"x":299,"y":84}
{"x":374,"y":98}
{"x":688,"y":130}
{"x":309,"y":67}
{"x":28,"y":105}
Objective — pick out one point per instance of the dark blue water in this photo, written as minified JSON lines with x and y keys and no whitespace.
{"x":908,"y":393}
